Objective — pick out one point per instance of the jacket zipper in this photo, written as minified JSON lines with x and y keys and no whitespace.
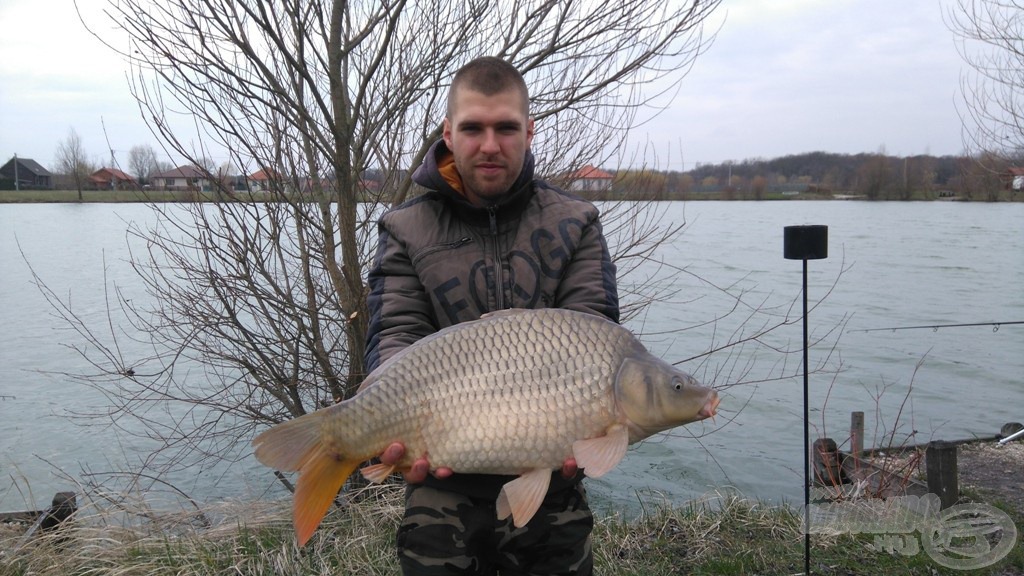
{"x":499,"y":276}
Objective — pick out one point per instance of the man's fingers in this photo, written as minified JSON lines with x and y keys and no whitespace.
{"x":569,"y":468}
{"x":420,"y":467}
{"x":392,"y":454}
{"x":418,"y":471}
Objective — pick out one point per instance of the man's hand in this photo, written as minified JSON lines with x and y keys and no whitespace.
{"x":569,"y":468}
{"x":420,"y":467}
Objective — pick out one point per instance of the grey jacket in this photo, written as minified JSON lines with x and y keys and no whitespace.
{"x":441,"y":261}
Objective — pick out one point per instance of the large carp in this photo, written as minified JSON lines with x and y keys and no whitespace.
{"x":516,"y":392}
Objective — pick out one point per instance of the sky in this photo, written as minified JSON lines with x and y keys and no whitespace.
{"x":782,"y":77}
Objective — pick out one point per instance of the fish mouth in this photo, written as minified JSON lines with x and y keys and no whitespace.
{"x":710,"y":407}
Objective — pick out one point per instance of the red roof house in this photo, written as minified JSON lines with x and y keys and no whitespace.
{"x":1015,"y":179}
{"x":111,"y":179}
{"x":181,"y":178}
{"x":590,"y":179}
{"x":264,"y":180}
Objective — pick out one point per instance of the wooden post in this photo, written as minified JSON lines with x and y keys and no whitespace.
{"x":63,"y":506}
{"x":941,"y":468}
{"x":827,"y":466}
{"x":857,"y":433}
{"x":1010,"y":428}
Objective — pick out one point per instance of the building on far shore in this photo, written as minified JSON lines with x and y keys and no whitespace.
{"x":1015,"y":179}
{"x":111,"y":179}
{"x":589,"y":179}
{"x":24,"y":174}
{"x":181,"y":178}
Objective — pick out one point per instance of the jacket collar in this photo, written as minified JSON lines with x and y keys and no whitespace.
{"x":430,"y":175}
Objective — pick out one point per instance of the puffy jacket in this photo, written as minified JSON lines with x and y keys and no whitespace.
{"x":440,"y":261}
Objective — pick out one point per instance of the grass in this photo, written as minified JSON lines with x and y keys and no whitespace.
{"x":68,"y":196}
{"x":720,"y":536}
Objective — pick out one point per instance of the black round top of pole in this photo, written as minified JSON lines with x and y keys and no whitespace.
{"x":805,"y":242}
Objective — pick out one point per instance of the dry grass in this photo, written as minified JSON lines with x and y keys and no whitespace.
{"x":256,"y":538}
{"x":230,"y":538}
{"x":720,"y":535}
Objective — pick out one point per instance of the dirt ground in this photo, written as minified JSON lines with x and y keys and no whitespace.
{"x":995,"y":472}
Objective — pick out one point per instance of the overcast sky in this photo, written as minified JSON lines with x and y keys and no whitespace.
{"x":783,"y":77}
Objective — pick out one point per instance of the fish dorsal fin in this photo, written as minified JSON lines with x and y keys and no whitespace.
{"x":505,"y":312}
{"x":521,"y":497}
{"x":377,"y":473}
{"x":599,"y":455}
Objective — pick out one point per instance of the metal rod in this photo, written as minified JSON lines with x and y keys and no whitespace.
{"x":995,"y":325}
{"x":807,"y":446}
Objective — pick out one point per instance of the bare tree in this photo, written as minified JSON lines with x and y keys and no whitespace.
{"x":142,"y":162}
{"x":268,"y":298}
{"x":71,"y":161}
{"x":991,"y":34}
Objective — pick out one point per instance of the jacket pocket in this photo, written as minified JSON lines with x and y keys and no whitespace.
{"x":447,"y":246}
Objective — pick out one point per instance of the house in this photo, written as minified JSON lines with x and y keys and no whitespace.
{"x":111,"y":179}
{"x":181,"y":178}
{"x":265,"y":180}
{"x":1015,"y":179}
{"x":589,"y":179}
{"x":25,"y":173}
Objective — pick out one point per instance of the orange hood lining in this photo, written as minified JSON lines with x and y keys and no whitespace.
{"x":450,"y":173}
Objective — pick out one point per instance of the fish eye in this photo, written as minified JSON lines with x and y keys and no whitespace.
{"x":678,"y":384}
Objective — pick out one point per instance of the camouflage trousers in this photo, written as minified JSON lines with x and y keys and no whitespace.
{"x":444,"y":533}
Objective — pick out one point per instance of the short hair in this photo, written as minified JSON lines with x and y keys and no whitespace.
{"x":488,"y":75}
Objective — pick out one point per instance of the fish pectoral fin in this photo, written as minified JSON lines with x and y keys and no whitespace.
{"x":596,"y":456}
{"x":320,"y":479}
{"x":377,"y":473}
{"x":522,"y":497}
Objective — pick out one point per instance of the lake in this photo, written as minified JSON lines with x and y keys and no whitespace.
{"x":889,"y":265}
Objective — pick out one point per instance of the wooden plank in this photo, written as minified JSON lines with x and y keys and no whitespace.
{"x":26,"y":517}
{"x":880,"y":481}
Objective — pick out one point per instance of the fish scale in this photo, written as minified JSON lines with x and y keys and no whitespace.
{"x":515,"y":393}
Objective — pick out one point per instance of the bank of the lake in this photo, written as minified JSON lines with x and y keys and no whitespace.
{"x":720,"y":535}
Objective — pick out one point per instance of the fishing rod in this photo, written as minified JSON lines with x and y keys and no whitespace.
{"x":995,"y":326}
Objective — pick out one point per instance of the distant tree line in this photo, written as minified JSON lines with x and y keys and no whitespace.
{"x":876,"y":176}
{"x":872,"y":176}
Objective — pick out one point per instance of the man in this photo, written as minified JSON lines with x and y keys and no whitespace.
{"x":486,"y":236}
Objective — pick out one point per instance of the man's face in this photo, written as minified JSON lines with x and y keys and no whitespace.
{"x":489,"y":136}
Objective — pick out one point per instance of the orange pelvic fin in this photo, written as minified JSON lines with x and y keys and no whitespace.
{"x":522,"y":497}
{"x":377,"y":473}
{"x":599,"y":455}
{"x":297,"y":445}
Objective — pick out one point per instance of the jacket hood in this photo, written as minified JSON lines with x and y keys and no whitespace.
{"x":428,"y":175}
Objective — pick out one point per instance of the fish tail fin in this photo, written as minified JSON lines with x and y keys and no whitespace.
{"x":297,"y":446}
{"x":320,"y":479}
{"x":288,"y":445}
